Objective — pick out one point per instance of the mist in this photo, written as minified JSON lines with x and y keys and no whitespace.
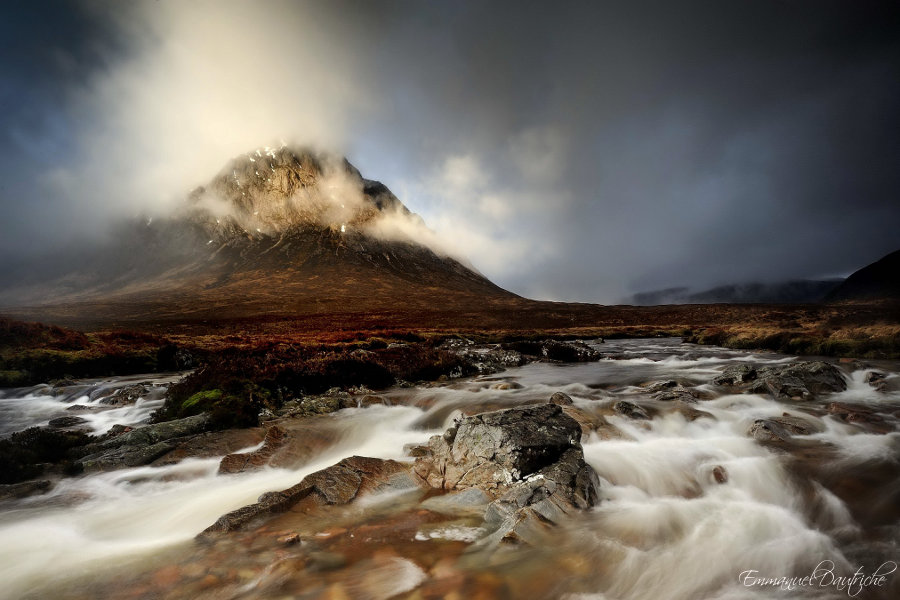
{"x":570,"y":152}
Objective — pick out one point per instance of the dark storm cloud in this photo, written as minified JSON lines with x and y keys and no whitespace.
{"x":570,"y":150}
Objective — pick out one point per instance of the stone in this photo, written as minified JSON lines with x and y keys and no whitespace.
{"x":252,"y":461}
{"x":126,"y":395}
{"x":561,"y":399}
{"x":767,"y":430}
{"x":64,"y":422}
{"x":338,"y":484}
{"x":798,"y":381}
{"x":139,"y":446}
{"x":720,"y":474}
{"x":24,"y":489}
{"x":630,"y":410}
{"x":466,"y":502}
{"x":494,"y":449}
{"x":736,"y":375}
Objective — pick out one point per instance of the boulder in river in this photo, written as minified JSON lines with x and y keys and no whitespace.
{"x":140,"y":446}
{"x":795,"y":381}
{"x":495,"y":449}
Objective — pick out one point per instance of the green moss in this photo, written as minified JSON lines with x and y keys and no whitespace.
{"x":13,"y":378}
{"x":200,"y":400}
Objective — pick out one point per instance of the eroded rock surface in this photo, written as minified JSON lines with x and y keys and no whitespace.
{"x":796,"y":381}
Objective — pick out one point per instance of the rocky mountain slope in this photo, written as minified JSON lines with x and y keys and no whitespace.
{"x":277,"y":231}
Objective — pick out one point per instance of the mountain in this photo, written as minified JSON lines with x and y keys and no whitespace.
{"x":277,"y":231}
{"x":878,"y":281}
{"x":785,"y":292}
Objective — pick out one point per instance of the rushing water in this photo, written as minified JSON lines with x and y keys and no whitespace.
{"x":665,"y":528}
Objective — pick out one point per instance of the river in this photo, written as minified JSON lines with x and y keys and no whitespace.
{"x":667,"y":525}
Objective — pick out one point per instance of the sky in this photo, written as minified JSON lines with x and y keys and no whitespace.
{"x":569,"y":150}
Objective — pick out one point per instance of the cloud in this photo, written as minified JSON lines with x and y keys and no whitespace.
{"x":578,"y":152}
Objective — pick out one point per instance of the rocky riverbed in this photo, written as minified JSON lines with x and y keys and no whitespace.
{"x":643,"y":469}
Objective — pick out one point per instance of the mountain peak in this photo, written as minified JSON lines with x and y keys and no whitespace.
{"x":269,"y":191}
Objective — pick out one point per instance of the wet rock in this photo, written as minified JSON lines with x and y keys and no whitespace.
{"x":861,"y":415}
{"x":690,"y":413}
{"x":64,"y":422}
{"x":676,"y":395}
{"x":251,"y":461}
{"x":630,"y":410}
{"x":736,"y":375}
{"x":661,"y":386}
{"x":140,"y":446}
{"x":522,"y":513}
{"x":126,"y":395}
{"x":781,"y":388}
{"x":798,"y":381}
{"x":373,"y":400}
{"x":79,"y":408}
{"x":506,"y":385}
{"x":573,"y":351}
{"x":484,"y":359}
{"x":172,"y":358}
{"x":876,"y":380}
{"x":338,"y":484}
{"x":495,"y":449}
{"x":24,"y":489}
{"x":720,"y":475}
{"x":561,"y":399}
{"x":767,"y":430}
{"x":528,"y":459}
{"x":289,"y":539}
{"x":799,"y":425}
{"x":470,"y":501}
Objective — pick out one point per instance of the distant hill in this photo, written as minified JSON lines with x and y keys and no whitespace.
{"x":785,"y":292}
{"x":878,"y":281}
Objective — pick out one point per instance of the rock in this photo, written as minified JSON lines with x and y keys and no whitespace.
{"x":781,"y":388}
{"x":689,"y":412}
{"x":767,"y":430}
{"x":555,"y":350}
{"x":680,"y":394}
{"x":494,"y":449}
{"x":736,"y":375}
{"x":799,"y":425}
{"x":24,"y":489}
{"x":64,"y":422}
{"x":630,"y":410}
{"x":861,"y":415}
{"x":251,"y":461}
{"x":877,"y":380}
{"x":338,"y":484}
{"x":470,"y":501}
{"x":780,"y":429}
{"x":172,"y":358}
{"x":289,"y":539}
{"x":528,"y":459}
{"x":798,"y":381}
{"x":126,"y":395}
{"x":561,"y":399}
{"x":373,"y":400}
{"x":522,"y":513}
{"x":720,"y":474}
{"x":139,"y":446}
{"x":506,"y":385}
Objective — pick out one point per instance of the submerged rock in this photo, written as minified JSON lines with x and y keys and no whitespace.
{"x":24,"y":489}
{"x":630,"y":410}
{"x":338,"y":484}
{"x":126,"y":395}
{"x":251,"y":461}
{"x":65,"y":422}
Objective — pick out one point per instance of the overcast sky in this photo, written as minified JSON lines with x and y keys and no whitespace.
{"x":572,"y":151}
